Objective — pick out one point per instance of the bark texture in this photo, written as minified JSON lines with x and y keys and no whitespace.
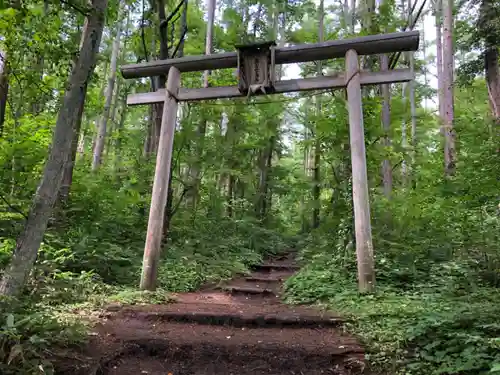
{"x":192,"y":195}
{"x":103,"y":123}
{"x":29,"y":241}
{"x":448,"y":77}
{"x":317,"y":143}
{"x":493,"y":79}
{"x":386,"y":127}
{"x":4,"y":87}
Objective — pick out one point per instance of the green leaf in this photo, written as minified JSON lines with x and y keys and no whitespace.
{"x":10,"y":321}
{"x":495,"y":367}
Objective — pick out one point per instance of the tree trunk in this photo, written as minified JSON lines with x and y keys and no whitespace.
{"x":101,"y":132}
{"x":119,"y":130}
{"x":38,"y":104}
{"x":4,"y":87}
{"x":352,"y":20}
{"x":439,"y":59}
{"x":317,"y":143}
{"x":155,"y":109}
{"x":29,"y":241}
{"x":192,"y":195}
{"x":158,"y":108}
{"x":412,"y":102}
{"x":448,"y":77}
{"x":386,"y":127}
{"x":265,"y":160}
{"x":404,"y":122}
{"x":169,"y":212}
{"x":69,"y":167}
{"x":231,"y":139}
{"x":493,"y":79}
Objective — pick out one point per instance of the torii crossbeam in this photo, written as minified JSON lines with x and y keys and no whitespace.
{"x":256,"y":65}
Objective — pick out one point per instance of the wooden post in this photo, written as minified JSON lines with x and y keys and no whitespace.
{"x":360,"y":197}
{"x":152,"y":249}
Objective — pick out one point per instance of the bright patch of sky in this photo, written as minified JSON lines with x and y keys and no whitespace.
{"x":428,"y":35}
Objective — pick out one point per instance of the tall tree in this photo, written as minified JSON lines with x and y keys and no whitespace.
{"x":438,"y":10}
{"x":103,"y":123}
{"x":29,"y":240}
{"x":411,"y":84}
{"x":317,"y":142}
{"x":386,"y":127}
{"x":192,"y":195}
{"x":4,"y":87}
{"x":448,"y":78}
{"x":489,"y":29}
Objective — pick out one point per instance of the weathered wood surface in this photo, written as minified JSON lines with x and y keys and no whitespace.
{"x":152,"y":248}
{"x":292,"y":85}
{"x":360,"y":197}
{"x":365,"y":45}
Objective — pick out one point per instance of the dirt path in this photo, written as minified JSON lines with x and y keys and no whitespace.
{"x":239,"y":327}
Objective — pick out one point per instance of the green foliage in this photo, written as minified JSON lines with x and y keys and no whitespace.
{"x":28,"y":338}
{"x":436,"y":240}
{"x":437,"y":259}
{"x":134,"y":297}
{"x":415,"y":331}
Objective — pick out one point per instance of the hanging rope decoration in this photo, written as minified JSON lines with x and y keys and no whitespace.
{"x":169,"y":24}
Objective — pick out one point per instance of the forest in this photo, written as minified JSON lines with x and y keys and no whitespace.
{"x":251,"y":177}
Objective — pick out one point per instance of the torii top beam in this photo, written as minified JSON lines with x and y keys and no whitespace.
{"x":365,"y":45}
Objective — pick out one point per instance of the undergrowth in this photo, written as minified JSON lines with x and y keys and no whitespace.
{"x":92,"y":256}
{"x":436,"y":306}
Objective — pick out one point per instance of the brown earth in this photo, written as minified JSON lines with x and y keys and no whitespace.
{"x":239,"y":327}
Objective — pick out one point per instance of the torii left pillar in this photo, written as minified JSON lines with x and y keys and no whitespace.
{"x":152,"y":249}
{"x":360,"y":195}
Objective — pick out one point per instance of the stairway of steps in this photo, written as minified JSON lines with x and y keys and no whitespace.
{"x":237,"y":327}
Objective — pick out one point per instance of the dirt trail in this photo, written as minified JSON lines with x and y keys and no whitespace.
{"x":239,"y":327}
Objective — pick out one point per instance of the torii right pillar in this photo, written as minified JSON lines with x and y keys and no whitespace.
{"x":360,"y":196}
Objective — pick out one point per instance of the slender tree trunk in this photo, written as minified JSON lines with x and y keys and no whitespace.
{"x":146,"y":151}
{"x":386,"y":127}
{"x":352,"y":19}
{"x":231,"y":160}
{"x":149,"y":141}
{"x":488,"y":16}
{"x":265,"y":160}
{"x":439,"y":59}
{"x":404,"y":122}
{"x":4,"y":87}
{"x":160,"y":81}
{"x":426,"y":78}
{"x":493,"y":79}
{"x":448,"y":78}
{"x":119,"y":130}
{"x":38,"y":104}
{"x":307,"y":168}
{"x":192,"y":195}
{"x":29,"y":240}
{"x":70,"y":165}
{"x":413,"y":109}
{"x":169,"y":212}
{"x":101,"y":132}
{"x":317,"y":143}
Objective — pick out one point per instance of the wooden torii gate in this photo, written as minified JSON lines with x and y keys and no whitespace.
{"x":256,"y":67}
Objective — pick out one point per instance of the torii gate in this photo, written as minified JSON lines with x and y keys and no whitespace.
{"x":256,"y":67}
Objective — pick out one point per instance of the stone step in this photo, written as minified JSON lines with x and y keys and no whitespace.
{"x":164,"y":348}
{"x":244,"y":286}
{"x":272,"y":275}
{"x":242,"y":315}
{"x":276,"y":266}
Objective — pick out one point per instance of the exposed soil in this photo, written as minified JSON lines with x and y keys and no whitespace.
{"x":238,"y":327}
